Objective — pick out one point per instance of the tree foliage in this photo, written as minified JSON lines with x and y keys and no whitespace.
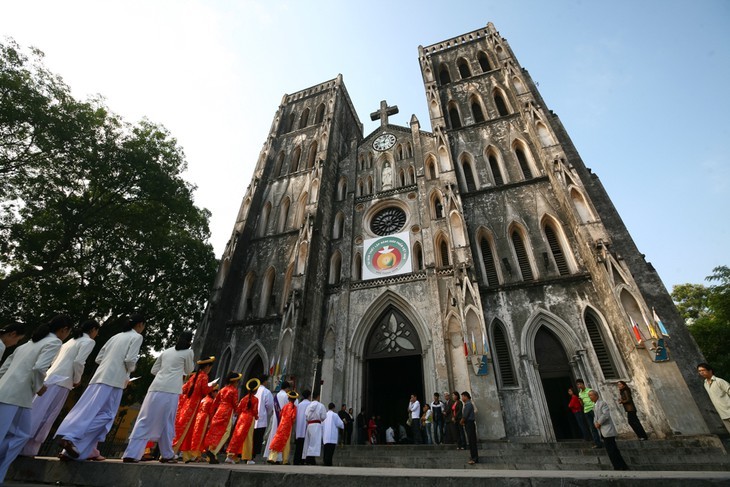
{"x":706,"y":310}
{"x":95,"y":217}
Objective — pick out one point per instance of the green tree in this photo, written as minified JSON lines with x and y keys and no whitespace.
{"x":706,"y":310}
{"x":95,"y":217}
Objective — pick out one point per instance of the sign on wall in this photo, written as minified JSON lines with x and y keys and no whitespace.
{"x":387,"y":256}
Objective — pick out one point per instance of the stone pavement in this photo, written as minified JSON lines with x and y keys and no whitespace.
{"x":114,"y":473}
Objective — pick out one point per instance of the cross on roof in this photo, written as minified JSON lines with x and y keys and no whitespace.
{"x":383,"y":113}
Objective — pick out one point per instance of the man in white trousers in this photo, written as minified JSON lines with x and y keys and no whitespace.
{"x":156,"y":420}
{"x":266,"y":409}
{"x":65,"y":374}
{"x":315,"y":414}
{"x":92,"y":417}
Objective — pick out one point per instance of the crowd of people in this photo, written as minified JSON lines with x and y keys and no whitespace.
{"x":195,"y":419}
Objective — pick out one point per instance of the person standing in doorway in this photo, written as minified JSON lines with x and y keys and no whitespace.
{"x":468,"y":421}
{"x":628,"y":402}
{"x":576,"y":407}
{"x":719,"y":391}
{"x":349,"y":426}
{"x":414,"y":411}
{"x":603,"y":421}
{"x":362,"y":428}
{"x":92,"y":417}
{"x":332,"y":424}
{"x":588,"y":405}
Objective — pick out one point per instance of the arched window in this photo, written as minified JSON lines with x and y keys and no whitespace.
{"x":500,"y":104}
{"x":283,"y":214}
{"x":287,"y":287}
{"x":295,"y":157}
{"x":263,"y":220}
{"x":418,"y":256}
{"x":503,"y":356}
{"x":360,"y":188}
{"x":468,"y":173}
{"x":463,"y":66}
{"x":290,"y":122}
{"x":437,"y":207}
{"x":411,"y":175}
{"x":409,"y":150}
{"x":523,"y":259}
{"x":444,"y":76}
{"x":304,"y":118}
{"x":545,"y":138}
{"x":279,"y":165}
{"x":556,"y":249}
{"x":301,"y":213}
{"x":454,"y":116}
{"x":341,"y":189}
{"x":483,"y":61}
{"x":312,"y":155}
{"x":398,"y":152}
{"x":245,"y":305}
{"x":320,"y":114}
{"x":335,"y":267}
{"x":370,"y":185}
{"x":401,"y":178}
{"x":584,"y":212}
{"x":523,"y":161}
{"x":595,"y":332}
{"x":431,"y":172}
{"x":338,"y":225}
{"x":491,"y":277}
{"x":443,"y":252}
{"x":457,"y":229}
{"x":302,"y":258}
{"x":357,"y":268}
{"x":476,"y":110}
{"x":519,"y":86}
{"x":444,"y":161}
{"x":266,"y":292}
{"x":496,"y":171}
{"x":314,"y":188}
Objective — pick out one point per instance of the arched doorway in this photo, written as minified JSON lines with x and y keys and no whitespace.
{"x":393,"y":368}
{"x":255,"y":368}
{"x":556,"y":377}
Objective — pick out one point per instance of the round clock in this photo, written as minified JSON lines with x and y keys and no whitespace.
{"x":384,"y":142}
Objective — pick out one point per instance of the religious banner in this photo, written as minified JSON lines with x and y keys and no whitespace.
{"x":387,"y":256}
{"x":479,"y":363}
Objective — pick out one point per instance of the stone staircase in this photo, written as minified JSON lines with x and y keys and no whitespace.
{"x":677,"y":454}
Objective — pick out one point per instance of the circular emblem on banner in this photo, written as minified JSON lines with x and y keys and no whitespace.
{"x":386,"y":255}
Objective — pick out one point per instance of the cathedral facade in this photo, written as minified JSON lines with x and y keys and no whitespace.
{"x":482,"y":256}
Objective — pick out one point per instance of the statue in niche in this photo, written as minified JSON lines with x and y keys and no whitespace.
{"x":387,"y":176}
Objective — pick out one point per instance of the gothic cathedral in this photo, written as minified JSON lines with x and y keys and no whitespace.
{"x":482,"y":256}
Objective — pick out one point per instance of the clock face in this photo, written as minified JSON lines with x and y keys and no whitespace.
{"x":384,"y":142}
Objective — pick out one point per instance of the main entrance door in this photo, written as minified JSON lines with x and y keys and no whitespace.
{"x":393,"y":368}
{"x":556,"y":378}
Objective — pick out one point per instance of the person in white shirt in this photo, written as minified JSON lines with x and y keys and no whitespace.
{"x":266,"y":409}
{"x":332,"y":423}
{"x":301,"y":427}
{"x":156,"y":420}
{"x":21,"y":377}
{"x":10,"y":335}
{"x":315,"y":414}
{"x":280,"y":400}
{"x":92,"y":417}
{"x":65,"y":374}
{"x":414,"y":412}
{"x":390,"y":436}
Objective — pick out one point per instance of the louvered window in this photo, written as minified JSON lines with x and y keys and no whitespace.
{"x":488,"y":259}
{"x":503,"y":357}
{"x":524,"y":165}
{"x":522,"y":259}
{"x":444,"y":249}
{"x":604,"y":357}
{"x":468,"y":176}
{"x":557,"y":251}
{"x":496,"y":173}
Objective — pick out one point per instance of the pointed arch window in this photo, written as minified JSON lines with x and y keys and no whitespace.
{"x":443,"y":249}
{"x":496,"y":171}
{"x":500,"y":104}
{"x":503,"y":356}
{"x":398,"y":152}
{"x":335,"y":268}
{"x":411,"y":175}
{"x":320,"y":114}
{"x":519,"y":86}
{"x":523,"y":161}
{"x":544,"y":135}
{"x":264,"y":220}
{"x":466,"y":169}
{"x":312,"y":155}
{"x":357,"y":268}
{"x":279,"y":168}
{"x":581,"y":206}
{"x":342,"y":189}
{"x":418,"y":256}
{"x":463,"y":66}
{"x":556,"y":249}
{"x":266,"y":292}
{"x":522,"y":258}
{"x":490,"y":267}
{"x":401,"y":178}
{"x":454,"y":116}
{"x":245,"y":305}
{"x":431,"y":168}
{"x":476,"y":111}
{"x":338,"y":226}
{"x":284,"y":214}
{"x":304,"y":118}
{"x":444,"y":76}
{"x":483,"y":61}
{"x":605,"y":359}
{"x":295,"y":157}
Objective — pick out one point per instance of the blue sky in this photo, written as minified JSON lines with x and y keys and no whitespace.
{"x":639,"y":86}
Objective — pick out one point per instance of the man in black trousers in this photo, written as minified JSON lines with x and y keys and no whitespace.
{"x":468,"y":421}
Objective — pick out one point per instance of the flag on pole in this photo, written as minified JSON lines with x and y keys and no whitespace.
{"x":659,"y":323}
{"x":276,"y":371}
{"x":635,"y":329}
{"x":271,"y":366}
{"x":473,"y":344}
{"x":484,"y":343}
{"x":283,"y":366}
{"x":466,"y":348}
{"x":652,"y":331}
